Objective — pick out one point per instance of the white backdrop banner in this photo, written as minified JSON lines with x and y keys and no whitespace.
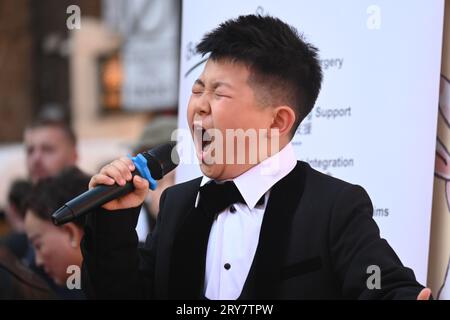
{"x":149,"y":51}
{"x":374,"y":123}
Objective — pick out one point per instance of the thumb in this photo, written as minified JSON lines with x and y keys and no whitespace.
{"x":141,"y":185}
{"x":424,"y":294}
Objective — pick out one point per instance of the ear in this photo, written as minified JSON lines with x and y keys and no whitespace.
{"x":74,"y":233}
{"x":283,"y":120}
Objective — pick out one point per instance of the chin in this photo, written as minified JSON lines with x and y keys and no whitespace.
{"x":219,"y":171}
{"x":208,"y":170}
{"x":213,"y":171}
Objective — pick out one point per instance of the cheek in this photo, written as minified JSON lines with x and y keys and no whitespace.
{"x":47,"y":253}
{"x":235,"y":114}
{"x":56,"y":160}
{"x":54,"y":250}
{"x":190,"y":110}
{"x":225,"y":116}
{"x":48,"y":158}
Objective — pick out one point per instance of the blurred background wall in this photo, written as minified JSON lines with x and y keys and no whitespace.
{"x":88,"y":67}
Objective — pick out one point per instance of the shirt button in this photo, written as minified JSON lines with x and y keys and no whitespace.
{"x":232,"y":209}
{"x":227,"y":266}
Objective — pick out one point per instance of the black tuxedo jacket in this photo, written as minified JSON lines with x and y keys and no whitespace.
{"x":317,"y":241}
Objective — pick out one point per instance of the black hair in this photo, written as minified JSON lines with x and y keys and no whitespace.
{"x":61,"y":124}
{"x":280,"y":61}
{"x":51,"y":193}
{"x":17,"y":194}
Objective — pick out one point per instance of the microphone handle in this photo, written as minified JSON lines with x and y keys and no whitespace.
{"x":98,"y":196}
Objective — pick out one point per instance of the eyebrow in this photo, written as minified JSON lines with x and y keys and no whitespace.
{"x":215,"y":84}
{"x":199,"y":82}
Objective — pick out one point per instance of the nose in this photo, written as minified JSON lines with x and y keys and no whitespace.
{"x":38,"y":260}
{"x":201,"y":105}
{"x":35,"y":156}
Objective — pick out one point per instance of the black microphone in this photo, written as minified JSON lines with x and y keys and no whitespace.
{"x":151,"y":165}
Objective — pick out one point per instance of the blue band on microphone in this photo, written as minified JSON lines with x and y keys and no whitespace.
{"x":141,"y":164}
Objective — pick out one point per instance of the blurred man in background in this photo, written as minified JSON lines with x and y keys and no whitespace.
{"x":50,"y":147}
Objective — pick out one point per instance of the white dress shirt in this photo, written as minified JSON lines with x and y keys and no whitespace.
{"x":234,"y":234}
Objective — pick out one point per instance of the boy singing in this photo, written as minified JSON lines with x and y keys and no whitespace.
{"x":263,"y":227}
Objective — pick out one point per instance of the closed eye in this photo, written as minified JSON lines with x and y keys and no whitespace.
{"x":221,"y":95}
{"x":198,"y":87}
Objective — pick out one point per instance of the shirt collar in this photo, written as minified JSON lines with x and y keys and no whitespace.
{"x":256,"y":181}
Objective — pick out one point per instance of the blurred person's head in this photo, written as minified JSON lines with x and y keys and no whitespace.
{"x":56,"y":247}
{"x":50,"y":147}
{"x":16,"y":206}
{"x":157,"y":132}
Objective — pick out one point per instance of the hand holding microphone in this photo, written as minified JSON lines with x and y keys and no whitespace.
{"x":122,"y":184}
{"x":120,"y":172}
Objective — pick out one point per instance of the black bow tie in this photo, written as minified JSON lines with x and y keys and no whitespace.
{"x":216,"y":197}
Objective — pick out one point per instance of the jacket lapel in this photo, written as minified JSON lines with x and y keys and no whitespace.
{"x":187,"y":266}
{"x":265,"y":274}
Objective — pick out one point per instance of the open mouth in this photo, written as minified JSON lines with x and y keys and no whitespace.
{"x":203,"y":140}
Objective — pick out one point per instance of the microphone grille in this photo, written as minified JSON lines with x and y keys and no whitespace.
{"x":162,"y":159}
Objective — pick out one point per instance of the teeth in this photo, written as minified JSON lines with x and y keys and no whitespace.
{"x":198,"y":134}
{"x":206,"y":147}
{"x":206,"y":141}
{"x":206,"y":137}
{"x":201,"y":136}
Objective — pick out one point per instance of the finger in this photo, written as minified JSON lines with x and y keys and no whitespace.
{"x":113,"y":172}
{"x":128,"y":162}
{"x":100,"y":179}
{"x":424,"y":294}
{"x":123,"y":168}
